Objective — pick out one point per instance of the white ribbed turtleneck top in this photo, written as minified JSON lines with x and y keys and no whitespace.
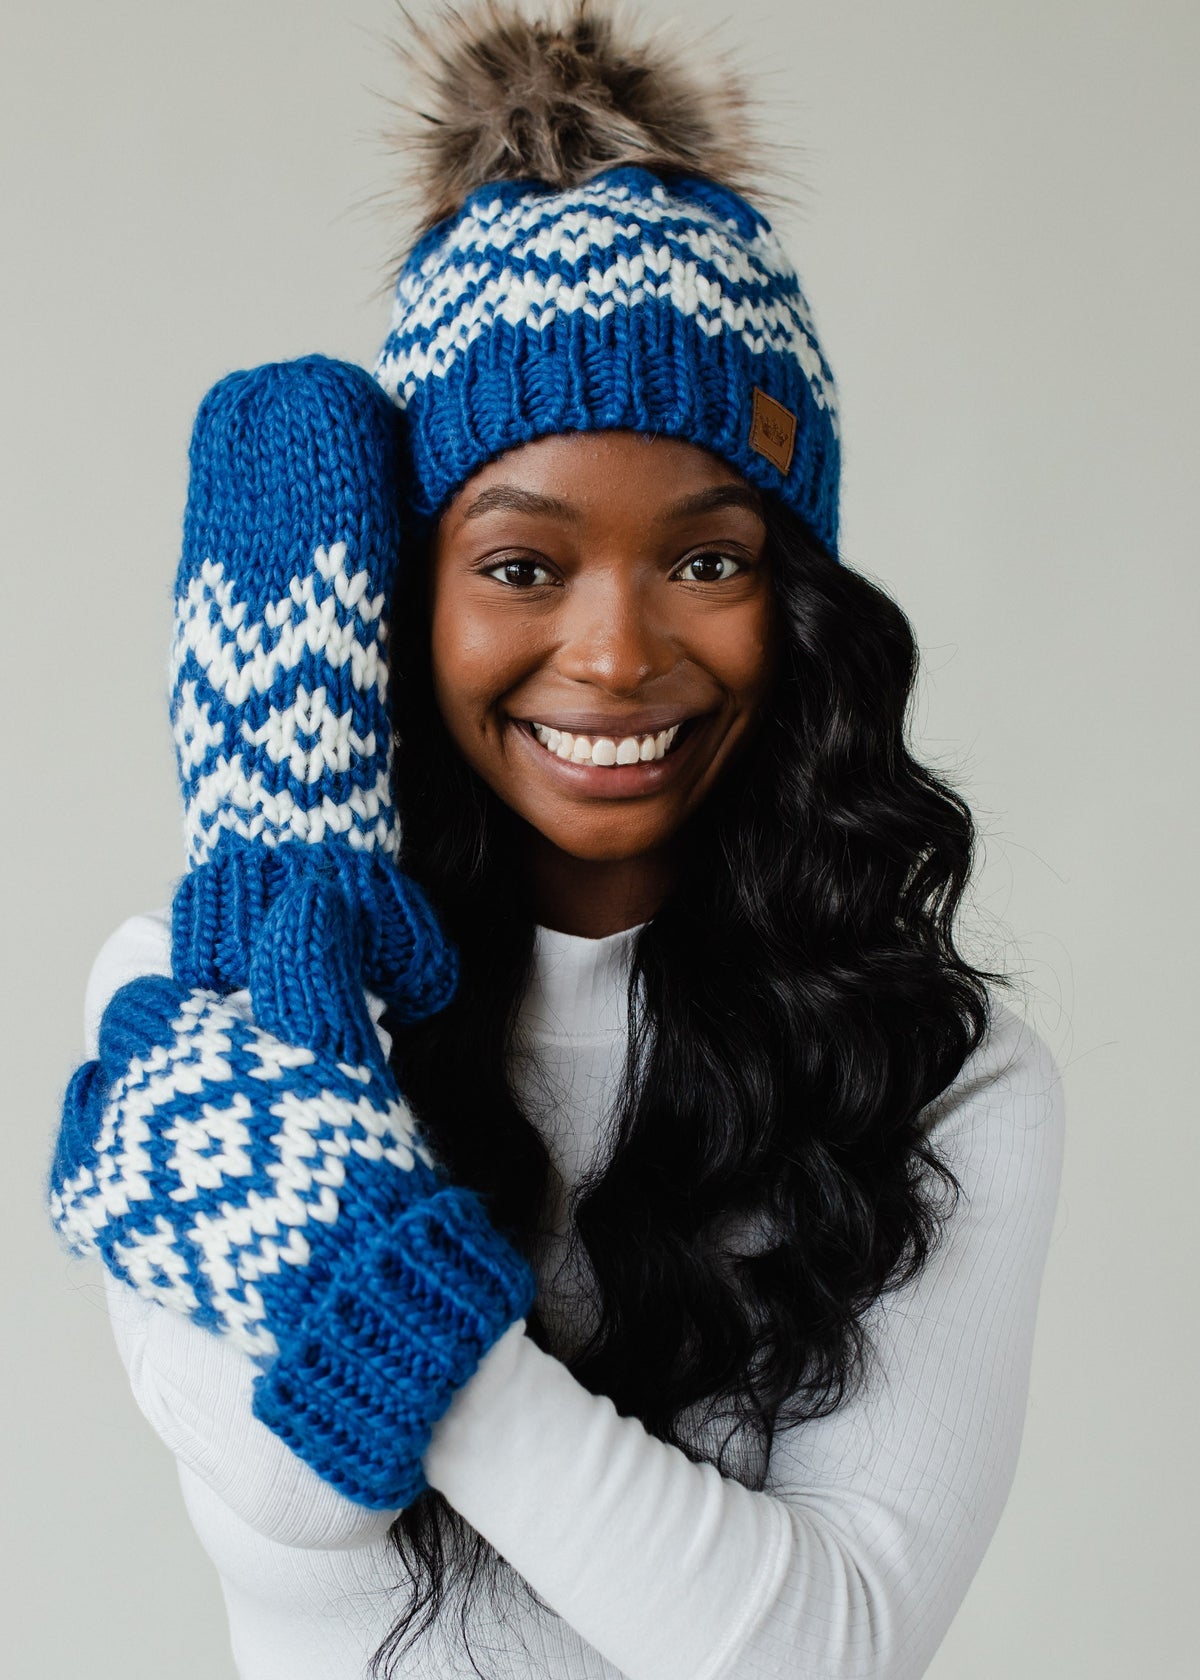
{"x":849,"y":1564}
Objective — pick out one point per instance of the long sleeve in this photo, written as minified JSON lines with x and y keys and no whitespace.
{"x":196,"y":1389}
{"x":193,"y":1388}
{"x":852,"y":1561}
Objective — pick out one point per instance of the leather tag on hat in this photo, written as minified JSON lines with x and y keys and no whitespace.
{"x":773,"y":430}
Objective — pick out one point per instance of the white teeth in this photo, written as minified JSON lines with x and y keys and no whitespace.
{"x":605,"y":751}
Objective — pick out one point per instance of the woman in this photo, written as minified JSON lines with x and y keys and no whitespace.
{"x":700,"y":1293}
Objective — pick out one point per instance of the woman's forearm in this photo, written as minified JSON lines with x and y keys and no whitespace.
{"x":855,"y":1558}
{"x":852,"y":1560}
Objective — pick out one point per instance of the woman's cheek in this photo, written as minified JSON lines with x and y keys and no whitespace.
{"x":738,"y":650}
{"x":478,"y":657}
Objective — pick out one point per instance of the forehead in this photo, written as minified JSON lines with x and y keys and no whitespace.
{"x":584,"y":477}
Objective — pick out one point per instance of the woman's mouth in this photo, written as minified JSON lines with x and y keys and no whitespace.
{"x":610,"y":766}
{"x":605,"y":751}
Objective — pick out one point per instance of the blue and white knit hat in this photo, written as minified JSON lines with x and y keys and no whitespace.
{"x":558,"y":294}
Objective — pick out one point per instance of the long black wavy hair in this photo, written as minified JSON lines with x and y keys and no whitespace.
{"x":794,"y":1005}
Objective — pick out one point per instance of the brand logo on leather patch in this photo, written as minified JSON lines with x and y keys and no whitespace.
{"x":773,"y":430}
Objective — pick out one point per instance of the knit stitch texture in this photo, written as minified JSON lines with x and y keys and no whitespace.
{"x":281,"y":1196}
{"x":627,"y":303}
{"x":247,"y":1160}
{"x":279,"y":674}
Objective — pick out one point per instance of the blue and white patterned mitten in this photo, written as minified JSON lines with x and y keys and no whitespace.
{"x":281,"y":1196}
{"x":279,"y":675}
{"x":255,"y":1167}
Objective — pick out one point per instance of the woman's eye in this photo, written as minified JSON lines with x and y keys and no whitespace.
{"x":522,"y":574}
{"x":709,"y":568}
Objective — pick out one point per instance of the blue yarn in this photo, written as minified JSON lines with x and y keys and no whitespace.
{"x":625,"y":303}
{"x":279,"y":675}
{"x":290,"y":541}
{"x":263,"y":1176}
{"x":280,"y":1196}
{"x":220,"y":907}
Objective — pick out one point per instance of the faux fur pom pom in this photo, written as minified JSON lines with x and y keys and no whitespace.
{"x":500,"y":95}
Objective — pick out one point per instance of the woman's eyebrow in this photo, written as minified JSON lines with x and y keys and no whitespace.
{"x":712,"y":500}
{"x":512,"y":499}
{"x":515,"y":500}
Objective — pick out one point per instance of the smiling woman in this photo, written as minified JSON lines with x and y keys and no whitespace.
{"x":555,"y":1133}
{"x":601,"y":617}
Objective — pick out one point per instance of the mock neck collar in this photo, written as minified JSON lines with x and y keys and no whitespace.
{"x":577,"y":988}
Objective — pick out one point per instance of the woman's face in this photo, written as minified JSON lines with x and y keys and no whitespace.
{"x":601,"y":633}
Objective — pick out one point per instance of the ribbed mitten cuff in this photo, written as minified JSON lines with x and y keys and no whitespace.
{"x":220,"y":907}
{"x":376,"y":1360}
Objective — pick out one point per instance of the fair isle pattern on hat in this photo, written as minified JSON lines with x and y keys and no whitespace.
{"x":631,"y":302}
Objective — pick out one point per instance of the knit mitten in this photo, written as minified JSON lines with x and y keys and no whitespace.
{"x":279,"y":675}
{"x":281,"y":1196}
{"x":259,"y":1171}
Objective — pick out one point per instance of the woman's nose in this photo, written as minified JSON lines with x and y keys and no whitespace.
{"x":611,"y":637}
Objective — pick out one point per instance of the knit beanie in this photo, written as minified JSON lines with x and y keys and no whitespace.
{"x":588,"y":263}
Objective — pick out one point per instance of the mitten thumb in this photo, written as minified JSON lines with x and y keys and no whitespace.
{"x":138,"y":1019}
{"x":306,"y":973}
{"x":137,"y":1024}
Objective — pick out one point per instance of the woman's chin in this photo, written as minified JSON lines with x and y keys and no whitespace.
{"x":603,"y":840}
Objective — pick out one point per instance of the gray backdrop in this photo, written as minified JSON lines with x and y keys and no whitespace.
{"x":1000,"y":244}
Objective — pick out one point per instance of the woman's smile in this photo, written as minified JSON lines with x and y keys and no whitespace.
{"x":601,"y":638}
{"x":610,"y":760}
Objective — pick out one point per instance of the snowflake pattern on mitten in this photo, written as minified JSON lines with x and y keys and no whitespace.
{"x":219,"y":1148}
{"x":279,"y":676}
{"x":277,"y":703}
{"x":284,"y":1199}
